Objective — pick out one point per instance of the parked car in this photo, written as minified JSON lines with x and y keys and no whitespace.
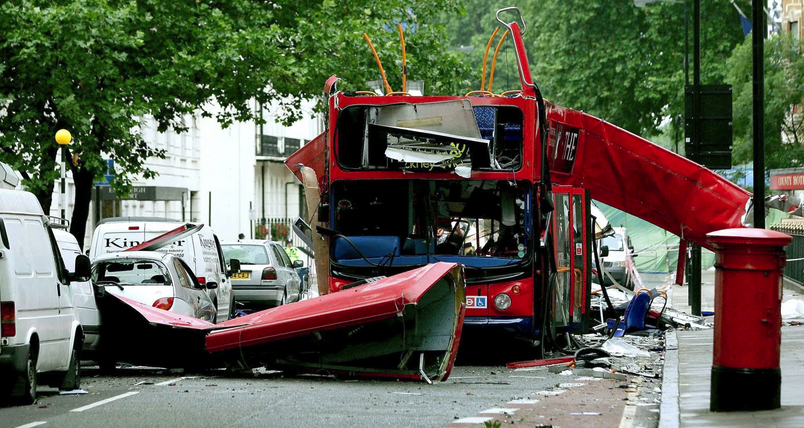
{"x":40,"y":335}
{"x":620,"y":251}
{"x":201,"y":251}
{"x":83,"y":295}
{"x":157,"y":279}
{"x":267,"y":277}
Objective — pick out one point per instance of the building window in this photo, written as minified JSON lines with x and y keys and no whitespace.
{"x":269,"y":146}
{"x":794,"y":29}
{"x":291,"y":145}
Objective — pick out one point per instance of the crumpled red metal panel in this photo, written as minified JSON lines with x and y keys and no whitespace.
{"x":163,"y":317}
{"x":632,"y":174}
{"x":378,"y":300}
{"x":312,"y":155}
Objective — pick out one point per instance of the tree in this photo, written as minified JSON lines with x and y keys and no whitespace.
{"x":97,"y":67}
{"x":784,"y":92}
{"x":621,"y":63}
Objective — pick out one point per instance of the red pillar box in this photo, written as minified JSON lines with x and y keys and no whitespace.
{"x":748,"y":320}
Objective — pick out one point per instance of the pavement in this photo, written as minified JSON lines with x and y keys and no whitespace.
{"x":688,"y":362}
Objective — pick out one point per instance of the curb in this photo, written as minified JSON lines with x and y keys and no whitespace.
{"x":793,"y":286}
{"x":669,"y":412}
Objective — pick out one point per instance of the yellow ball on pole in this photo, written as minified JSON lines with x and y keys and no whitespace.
{"x":63,"y":137}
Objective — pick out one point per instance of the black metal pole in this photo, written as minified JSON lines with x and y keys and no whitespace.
{"x":695,"y":268}
{"x":686,"y":45}
{"x":758,"y":39}
{"x":63,"y":196}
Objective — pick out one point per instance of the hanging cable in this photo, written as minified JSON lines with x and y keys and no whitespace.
{"x":494,"y":59}
{"x":485,"y":58}
{"x":388,"y":89}
{"x":404,"y":61}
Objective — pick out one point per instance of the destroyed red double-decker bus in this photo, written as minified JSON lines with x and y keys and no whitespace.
{"x":500,"y":183}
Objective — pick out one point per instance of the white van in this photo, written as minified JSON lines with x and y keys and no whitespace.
{"x":201,"y":251}
{"x":40,"y":335}
{"x":620,"y":252}
{"x":86,"y":309}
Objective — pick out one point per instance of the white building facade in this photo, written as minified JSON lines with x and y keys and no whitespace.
{"x":231,"y":179}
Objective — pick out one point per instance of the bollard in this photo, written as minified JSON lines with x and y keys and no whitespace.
{"x":748,"y":320}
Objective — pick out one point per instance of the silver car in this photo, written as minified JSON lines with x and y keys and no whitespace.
{"x":267,"y":277}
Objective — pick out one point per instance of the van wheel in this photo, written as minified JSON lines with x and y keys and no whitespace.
{"x":28,"y":393}
{"x":72,"y":379}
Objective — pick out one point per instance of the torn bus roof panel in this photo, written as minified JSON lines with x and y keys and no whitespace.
{"x":407,"y":326}
{"x":312,"y":155}
{"x":632,"y":174}
{"x":138,"y":334}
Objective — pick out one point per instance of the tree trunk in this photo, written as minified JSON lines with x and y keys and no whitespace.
{"x":84,"y":180}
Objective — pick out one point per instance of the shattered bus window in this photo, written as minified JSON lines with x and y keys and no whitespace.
{"x":390,"y":223}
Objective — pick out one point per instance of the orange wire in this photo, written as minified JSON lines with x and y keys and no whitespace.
{"x":404,"y":61}
{"x":382,"y":72}
{"x":494,"y":60}
{"x":485,"y":57}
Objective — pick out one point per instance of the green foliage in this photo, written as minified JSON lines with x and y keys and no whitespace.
{"x":98,"y":67}
{"x":614,"y":60}
{"x":492,"y":424}
{"x":784,"y":92}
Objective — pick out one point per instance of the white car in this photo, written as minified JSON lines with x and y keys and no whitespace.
{"x":201,"y":251}
{"x":156,"y":279}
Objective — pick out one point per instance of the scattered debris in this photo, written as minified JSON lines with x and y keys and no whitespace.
{"x":618,"y":347}
{"x":793,"y":308}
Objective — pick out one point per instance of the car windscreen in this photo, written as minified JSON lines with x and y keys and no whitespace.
{"x":614,"y":242}
{"x":247,"y":254}
{"x":131,"y":272}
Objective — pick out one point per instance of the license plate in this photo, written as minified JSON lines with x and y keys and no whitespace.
{"x":241,"y":275}
{"x":477,"y":302}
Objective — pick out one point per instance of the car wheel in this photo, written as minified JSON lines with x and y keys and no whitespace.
{"x":72,"y":379}
{"x":284,"y":298}
{"x":28,"y":393}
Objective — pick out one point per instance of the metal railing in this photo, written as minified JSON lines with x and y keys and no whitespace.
{"x":279,"y":229}
{"x":794,"y":268}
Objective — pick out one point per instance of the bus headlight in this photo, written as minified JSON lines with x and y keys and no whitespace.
{"x":502,"y":301}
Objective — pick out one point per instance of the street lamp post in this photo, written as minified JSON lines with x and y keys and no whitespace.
{"x":63,"y":138}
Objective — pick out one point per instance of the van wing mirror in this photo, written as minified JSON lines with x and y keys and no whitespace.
{"x":83,"y":269}
{"x":211,"y":285}
{"x":604,"y":251}
{"x":234,"y":266}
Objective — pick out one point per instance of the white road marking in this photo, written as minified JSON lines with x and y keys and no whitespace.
{"x":550,"y":393}
{"x":472,"y":420}
{"x":108,"y":400}
{"x":500,"y":411}
{"x":523,"y":401}
{"x":168,"y":382}
{"x":32,"y":424}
